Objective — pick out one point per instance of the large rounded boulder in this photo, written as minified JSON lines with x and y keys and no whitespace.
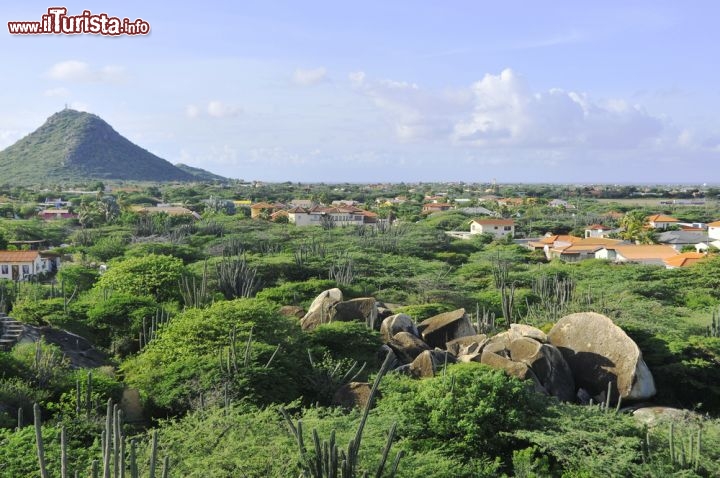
{"x":599,"y":352}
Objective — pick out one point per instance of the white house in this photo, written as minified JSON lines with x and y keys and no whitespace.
{"x":496,"y":227}
{"x":714,"y":230}
{"x":340,"y":216}
{"x":661,"y":221}
{"x":642,"y":254}
{"x":20,"y":265}
{"x":597,"y":230}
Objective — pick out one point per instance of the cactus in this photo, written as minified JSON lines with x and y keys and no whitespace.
{"x":39,"y":441}
{"x":63,"y":452}
{"x":713,"y":330}
{"x":195,"y":295}
{"x":326,"y":460}
{"x":236,"y":278}
{"x":342,"y":270}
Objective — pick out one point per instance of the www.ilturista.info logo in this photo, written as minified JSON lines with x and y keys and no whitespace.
{"x":58,"y":22}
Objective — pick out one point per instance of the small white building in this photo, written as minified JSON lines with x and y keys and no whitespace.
{"x":496,"y":227}
{"x":597,"y":230}
{"x":20,"y":265}
{"x":714,"y":230}
{"x":661,"y":221}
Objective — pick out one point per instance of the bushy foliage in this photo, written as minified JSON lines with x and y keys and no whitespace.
{"x":185,"y":360}
{"x":154,"y":275}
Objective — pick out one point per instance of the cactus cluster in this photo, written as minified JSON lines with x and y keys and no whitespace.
{"x":113,"y":444}
{"x":327,"y":460}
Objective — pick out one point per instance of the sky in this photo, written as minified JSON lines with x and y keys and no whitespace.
{"x":389,"y":91}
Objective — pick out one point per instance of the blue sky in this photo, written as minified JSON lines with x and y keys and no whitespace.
{"x":612,"y":91}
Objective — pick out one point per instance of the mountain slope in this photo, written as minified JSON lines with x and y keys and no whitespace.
{"x":75,"y":146}
{"x":199,"y":173}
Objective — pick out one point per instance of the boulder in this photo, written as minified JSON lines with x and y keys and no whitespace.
{"x":428,"y":362}
{"x":471,"y":357}
{"x":548,"y":365}
{"x":652,"y":416}
{"x":292,"y":311}
{"x":78,"y":350}
{"x":598,"y":352}
{"x":516,"y":369}
{"x":523,"y":330}
{"x":352,"y":395}
{"x":442,"y":328}
{"x":321,"y":310}
{"x":466,"y":345}
{"x":397,"y":323}
{"x":498,"y":344}
{"x":356,"y":310}
{"x":407,"y":346}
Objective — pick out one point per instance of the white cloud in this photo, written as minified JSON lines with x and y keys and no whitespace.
{"x":80,"y":106}
{"x":309,"y":77}
{"x":218,"y":109}
{"x":57,"y":92}
{"x":192,"y":111}
{"x":214,"y":109}
{"x":507,"y":113}
{"x":81,"y":72}
{"x":415,"y":113}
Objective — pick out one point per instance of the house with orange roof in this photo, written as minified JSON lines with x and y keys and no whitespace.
{"x":20,"y":265}
{"x":654,"y":254}
{"x":259,"y":209}
{"x":597,"y":230}
{"x":684,"y":259}
{"x":581,"y":249}
{"x":661,"y":221}
{"x":432,"y":207}
{"x":496,"y":227}
{"x":340,"y":216}
{"x":509,"y":202}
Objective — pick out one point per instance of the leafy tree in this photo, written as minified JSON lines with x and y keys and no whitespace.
{"x":154,"y":275}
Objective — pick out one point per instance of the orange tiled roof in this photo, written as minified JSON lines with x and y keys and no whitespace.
{"x":18,"y":256}
{"x":714,"y":224}
{"x":559,"y":238}
{"x":651,"y":251}
{"x":598,"y":227}
{"x":684,"y":259}
{"x":661,"y":218}
{"x":494,"y":222}
{"x":603,"y":241}
{"x":579,"y":248}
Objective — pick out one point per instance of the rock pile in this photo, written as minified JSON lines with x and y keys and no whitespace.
{"x":575,"y":361}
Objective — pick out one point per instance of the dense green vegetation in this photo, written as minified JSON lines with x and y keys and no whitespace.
{"x":188,"y":315}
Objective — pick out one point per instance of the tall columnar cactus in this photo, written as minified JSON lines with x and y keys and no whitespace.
{"x":39,"y":442}
{"x":326,"y":460}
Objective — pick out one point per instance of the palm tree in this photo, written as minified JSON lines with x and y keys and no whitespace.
{"x":636,"y":228}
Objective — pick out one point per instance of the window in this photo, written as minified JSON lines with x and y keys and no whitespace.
{"x":4,"y":269}
{"x":25,"y":269}
{"x":507,"y":228}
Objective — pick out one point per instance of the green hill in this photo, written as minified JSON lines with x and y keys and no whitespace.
{"x":200,"y":174}
{"x":75,"y":146}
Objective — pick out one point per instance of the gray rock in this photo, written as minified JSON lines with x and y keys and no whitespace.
{"x":77,"y":349}
{"x":321,"y":310}
{"x":352,"y":395}
{"x":523,"y":330}
{"x":397,"y":323}
{"x":598,"y":352}
{"x":356,"y":310}
{"x":466,"y":345}
{"x":407,"y":346}
{"x":430,"y":361}
{"x":442,"y":328}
